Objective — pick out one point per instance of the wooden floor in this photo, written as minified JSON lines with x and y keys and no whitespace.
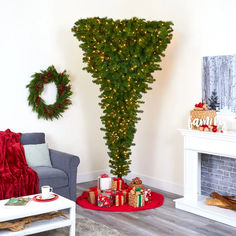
{"x":165,"y":220}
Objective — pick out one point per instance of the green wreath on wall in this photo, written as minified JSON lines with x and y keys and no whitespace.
{"x":36,"y":87}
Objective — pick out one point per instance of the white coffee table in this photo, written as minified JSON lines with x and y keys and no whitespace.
{"x":35,"y":208}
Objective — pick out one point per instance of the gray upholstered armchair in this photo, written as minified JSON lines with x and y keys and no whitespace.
{"x":63,"y":173}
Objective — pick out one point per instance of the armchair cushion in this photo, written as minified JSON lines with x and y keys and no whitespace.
{"x":37,"y":155}
{"x":51,"y":176}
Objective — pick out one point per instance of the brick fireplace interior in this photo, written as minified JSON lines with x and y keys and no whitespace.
{"x":218,"y":174}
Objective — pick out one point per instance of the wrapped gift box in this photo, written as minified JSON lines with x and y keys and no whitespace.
{"x":126,"y":194}
{"x":105,"y":200}
{"x":119,"y":198}
{"x":136,"y":197}
{"x":93,"y":194}
{"x":118,"y":184}
{"x":104,"y":182}
{"x":147,"y":195}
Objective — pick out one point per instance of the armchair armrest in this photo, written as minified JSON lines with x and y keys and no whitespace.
{"x":68,"y":163}
{"x":63,"y":161}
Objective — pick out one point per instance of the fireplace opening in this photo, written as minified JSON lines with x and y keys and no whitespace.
{"x":218,"y":174}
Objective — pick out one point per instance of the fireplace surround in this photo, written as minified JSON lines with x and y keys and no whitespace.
{"x":195,"y":144}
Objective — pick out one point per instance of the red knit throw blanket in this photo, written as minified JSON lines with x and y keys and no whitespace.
{"x":16,"y":178}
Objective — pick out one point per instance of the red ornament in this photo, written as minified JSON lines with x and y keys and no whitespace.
{"x":200,"y":104}
{"x":214,"y":129}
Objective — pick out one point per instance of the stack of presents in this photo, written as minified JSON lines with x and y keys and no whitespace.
{"x":114,"y":192}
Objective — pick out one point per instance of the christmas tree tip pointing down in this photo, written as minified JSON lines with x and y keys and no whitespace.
{"x":121,"y":56}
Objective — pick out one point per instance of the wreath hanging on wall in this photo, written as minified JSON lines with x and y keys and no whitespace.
{"x":36,"y":87}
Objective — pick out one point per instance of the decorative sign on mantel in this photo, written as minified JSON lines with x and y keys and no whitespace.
{"x":203,"y":119}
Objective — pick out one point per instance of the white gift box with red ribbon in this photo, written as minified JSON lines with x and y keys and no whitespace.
{"x":104,"y":182}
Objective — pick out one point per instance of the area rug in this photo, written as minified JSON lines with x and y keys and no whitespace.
{"x":84,"y":227}
{"x":157,"y":201}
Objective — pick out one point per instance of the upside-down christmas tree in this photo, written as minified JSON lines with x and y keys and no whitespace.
{"x":121,"y":56}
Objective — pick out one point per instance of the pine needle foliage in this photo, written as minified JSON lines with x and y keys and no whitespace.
{"x":121,"y":56}
{"x":213,"y":101}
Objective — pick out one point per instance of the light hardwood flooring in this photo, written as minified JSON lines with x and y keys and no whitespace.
{"x":165,"y":220}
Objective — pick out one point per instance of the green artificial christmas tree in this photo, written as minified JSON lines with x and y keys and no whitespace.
{"x":213,"y":101}
{"x":121,"y":55}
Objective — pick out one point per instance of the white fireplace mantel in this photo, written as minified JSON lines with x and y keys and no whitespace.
{"x":195,"y":143}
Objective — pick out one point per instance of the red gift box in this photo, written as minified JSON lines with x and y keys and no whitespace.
{"x":105,"y":200}
{"x":147,"y":195}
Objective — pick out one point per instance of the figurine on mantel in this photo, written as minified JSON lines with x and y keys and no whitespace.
{"x":203,"y":119}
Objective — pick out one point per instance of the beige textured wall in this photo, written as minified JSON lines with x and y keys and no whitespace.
{"x":202,"y":28}
{"x":36,"y":34}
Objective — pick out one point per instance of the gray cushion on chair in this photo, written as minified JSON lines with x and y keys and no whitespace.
{"x":51,"y":176}
{"x":32,"y":138}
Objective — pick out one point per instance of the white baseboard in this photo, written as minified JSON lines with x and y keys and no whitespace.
{"x":86,"y":177}
{"x":147,"y":180}
{"x":157,"y":183}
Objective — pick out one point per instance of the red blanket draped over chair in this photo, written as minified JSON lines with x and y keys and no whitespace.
{"x":16,"y":178}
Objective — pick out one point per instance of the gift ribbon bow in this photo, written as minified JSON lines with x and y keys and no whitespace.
{"x":136,"y":180}
{"x":104,"y":176}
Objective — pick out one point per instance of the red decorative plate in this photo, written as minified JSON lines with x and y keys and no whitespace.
{"x":38,"y":198}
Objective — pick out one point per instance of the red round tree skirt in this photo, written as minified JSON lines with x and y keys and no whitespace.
{"x":157,"y":201}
